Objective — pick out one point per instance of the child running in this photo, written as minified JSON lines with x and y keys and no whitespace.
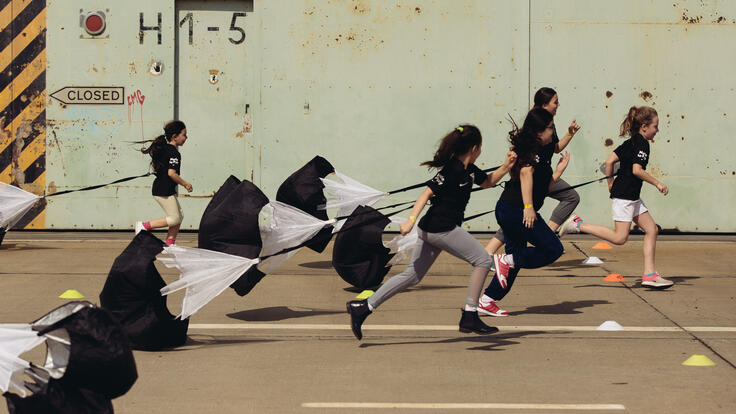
{"x":166,"y":162}
{"x":440,"y":228}
{"x":545,"y":98}
{"x":641,"y":125}
{"x":523,"y":196}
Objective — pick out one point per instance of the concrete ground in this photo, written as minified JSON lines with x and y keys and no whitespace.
{"x":287,"y":348}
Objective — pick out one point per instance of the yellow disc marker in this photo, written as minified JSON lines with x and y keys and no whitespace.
{"x":365,"y":294}
{"x":699,"y":360}
{"x":71,"y":294}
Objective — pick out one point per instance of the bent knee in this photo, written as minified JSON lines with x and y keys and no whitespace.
{"x":484,"y":261}
{"x":174,"y":220}
{"x":619,"y":240}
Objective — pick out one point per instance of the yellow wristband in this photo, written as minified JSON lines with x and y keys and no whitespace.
{"x":527,"y":206}
{"x":570,"y":134}
{"x":413,"y":219}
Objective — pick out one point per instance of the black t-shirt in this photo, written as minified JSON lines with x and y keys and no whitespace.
{"x":634,"y":150}
{"x":169,"y":158}
{"x":451,"y":187}
{"x":541,"y":179}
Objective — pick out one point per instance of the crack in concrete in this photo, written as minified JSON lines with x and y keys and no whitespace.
{"x":702,"y":342}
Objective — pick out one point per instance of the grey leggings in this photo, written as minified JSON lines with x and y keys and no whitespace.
{"x":568,"y":199}
{"x":458,"y":243}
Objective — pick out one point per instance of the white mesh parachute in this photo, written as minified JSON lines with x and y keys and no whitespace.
{"x":282,"y":227}
{"x":345,"y":196}
{"x":402,"y":245}
{"x":14,"y":204}
{"x":15,"y":339}
{"x":204,"y":274}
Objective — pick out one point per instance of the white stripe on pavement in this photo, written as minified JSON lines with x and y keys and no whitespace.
{"x":465,"y":406}
{"x":550,"y":328}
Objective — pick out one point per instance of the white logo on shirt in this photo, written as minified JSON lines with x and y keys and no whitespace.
{"x":536,"y":159}
{"x":173,"y":161}
{"x":642,"y":155}
{"x":464,"y":184}
{"x":439,"y":179}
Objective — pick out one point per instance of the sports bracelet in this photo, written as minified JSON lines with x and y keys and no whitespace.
{"x":527,"y":206}
{"x":413,"y":219}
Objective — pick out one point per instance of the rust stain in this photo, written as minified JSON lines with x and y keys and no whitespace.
{"x":609,"y":94}
{"x":58,"y":146}
{"x":417,"y":10}
{"x":608,"y":142}
{"x":52,"y":188}
{"x":646,"y":95}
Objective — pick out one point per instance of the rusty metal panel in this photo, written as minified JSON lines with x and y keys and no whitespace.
{"x":374,"y":85}
{"x":603,"y":57}
{"x":90,"y":144}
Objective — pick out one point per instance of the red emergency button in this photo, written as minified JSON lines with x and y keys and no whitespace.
{"x":94,"y":23}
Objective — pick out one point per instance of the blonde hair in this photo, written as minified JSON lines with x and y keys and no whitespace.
{"x":636,"y":118}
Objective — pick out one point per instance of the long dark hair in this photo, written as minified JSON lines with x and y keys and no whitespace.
{"x":157,"y":144}
{"x":543,"y":96}
{"x":525,"y":142}
{"x":458,"y":142}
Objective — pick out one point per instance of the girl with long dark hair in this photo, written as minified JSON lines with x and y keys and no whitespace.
{"x":166,"y":162}
{"x":440,"y":229}
{"x":523,"y":196}
{"x":547,"y":99}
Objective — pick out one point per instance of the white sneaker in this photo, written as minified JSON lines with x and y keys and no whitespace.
{"x":490,"y":308}
{"x":139,"y":227}
{"x":571,"y":225}
{"x":656,"y":281}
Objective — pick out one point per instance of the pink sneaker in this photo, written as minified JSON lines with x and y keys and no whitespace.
{"x":502,"y":269}
{"x":656,"y":281}
{"x":572,"y":225}
{"x":490,"y":308}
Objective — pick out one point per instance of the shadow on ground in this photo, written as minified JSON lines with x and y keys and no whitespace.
{"x":480,"y":343}
{"x":564,"y":308}
{"x":278,"y":313}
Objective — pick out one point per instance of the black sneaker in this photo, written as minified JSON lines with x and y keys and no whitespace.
{"x":470,"y":322}
{"x":358,"y":310}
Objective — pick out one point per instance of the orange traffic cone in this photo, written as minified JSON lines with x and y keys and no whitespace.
{"x":614,"y":277}
{"x":602,"y":246}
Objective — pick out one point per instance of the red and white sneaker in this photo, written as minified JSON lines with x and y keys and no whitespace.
{"x":502,"y":269}
{"x":656,"y":281}
{"x":490,"y":308}
{"x":572,"y":225}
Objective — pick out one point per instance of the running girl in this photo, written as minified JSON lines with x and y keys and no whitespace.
{"x":523,"y":196}
{"x":545,"y":98}
{"x":166,"y":162}
{"x":440,"y":228}
{"x":641,"y":125}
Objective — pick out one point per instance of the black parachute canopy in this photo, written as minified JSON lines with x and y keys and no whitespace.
{"x":50,"y":396}
{"x":230,"y":225}
{"x":359,"y":256}
{"x":304,"y":190}
{"x":132,"y":295}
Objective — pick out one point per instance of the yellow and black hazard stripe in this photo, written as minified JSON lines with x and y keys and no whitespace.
{"x":23,"y":100}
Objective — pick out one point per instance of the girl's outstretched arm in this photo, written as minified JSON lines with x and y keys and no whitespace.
{"x":571,"y":130}
{"x":561,"y":165}
{"x":526,"y":176}
{"x":496,"y":176}
{"x":644,"y":176}
{"x":177,"y":179}
{"x":406,"y":226}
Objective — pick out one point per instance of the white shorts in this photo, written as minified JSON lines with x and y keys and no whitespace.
{"x":626,"y":210}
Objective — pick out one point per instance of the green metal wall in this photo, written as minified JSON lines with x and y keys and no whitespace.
{"x":373,"y":85}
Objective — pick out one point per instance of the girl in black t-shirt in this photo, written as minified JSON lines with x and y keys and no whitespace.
{"x":641,"y":125}
{"x":166,"y":162}
{"x":547,"y":99}
{"x":440,"y":228}
{"x":516,"y":210}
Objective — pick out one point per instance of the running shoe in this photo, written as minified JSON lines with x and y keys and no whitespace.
{"x":502,"y":269}
{"x":656,"y":281}
{"x":571,"y":225}
{"x":490,"y":308}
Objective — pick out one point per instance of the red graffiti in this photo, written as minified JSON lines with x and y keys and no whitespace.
{"x":136,"y":97}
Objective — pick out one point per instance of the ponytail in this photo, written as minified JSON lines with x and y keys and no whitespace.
{"x":158,"y":144}
{"x":458,"y":142}
{"x":635,"y":119}
{"x":525,"y":141}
